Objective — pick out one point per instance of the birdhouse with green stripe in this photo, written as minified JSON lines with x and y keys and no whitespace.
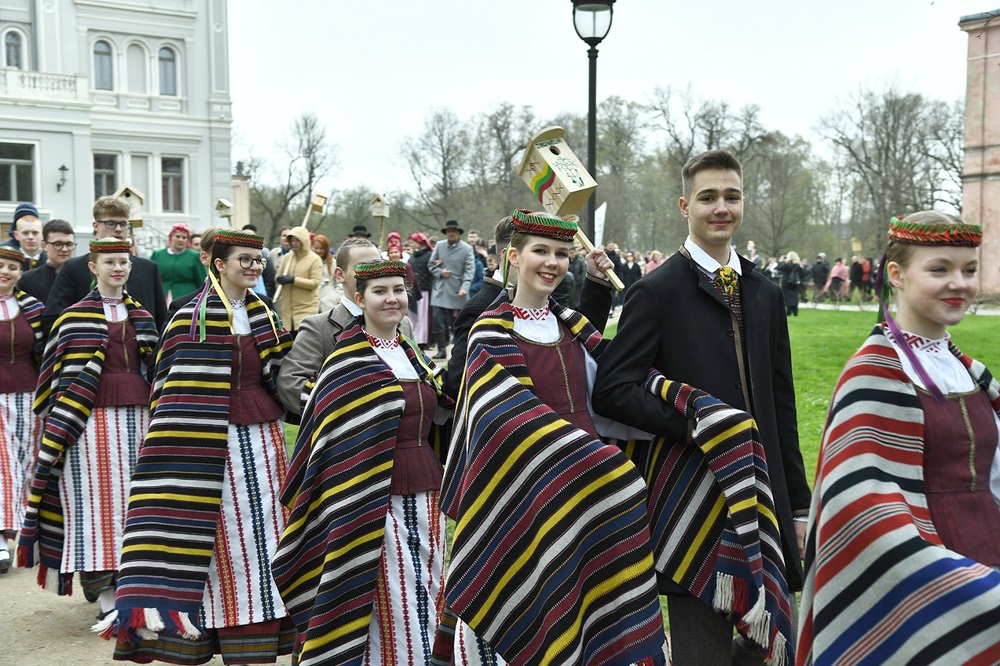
{"x":554,"y":173}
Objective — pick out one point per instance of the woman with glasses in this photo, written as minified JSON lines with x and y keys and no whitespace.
{"x":93,"y":396}
{"x":204,"y":518}
{"x":20,"y":350}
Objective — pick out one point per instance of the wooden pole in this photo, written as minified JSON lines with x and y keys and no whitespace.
{"x":381,"y":233}
{"x":616,"y":281}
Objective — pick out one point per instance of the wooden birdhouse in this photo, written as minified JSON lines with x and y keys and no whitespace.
{"x":134,"y":199}
{"x":317,"y":203}
{"x":224,"y":207}
{"x":379,"y":206}
{"x":555,"y":174}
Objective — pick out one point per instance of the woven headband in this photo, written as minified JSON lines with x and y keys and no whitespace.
{"x":542,"y":224}
{"x":8,"y":253}
{"x":915,"y":233}
{"x":240,"y":238}
{"x":110,"y":246}
{"x":380,"y":269}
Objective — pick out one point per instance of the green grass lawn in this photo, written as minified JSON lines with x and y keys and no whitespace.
{"x":823,"y":340}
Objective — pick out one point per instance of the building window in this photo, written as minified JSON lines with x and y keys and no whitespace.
{"x":136,"y":64}
{"x":105,"y":175}
{"x":17,"y":172}
{"x":168,"y":72}
{"x":13,"y":48}
{"x":172,"y":173}
{"x":103,"y":67}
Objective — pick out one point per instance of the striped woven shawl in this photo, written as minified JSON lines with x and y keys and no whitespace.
{"x":67,"y":387}
{"x":551,"y":561}
{"x":32,"y":309}
{"x":880,"y":588}
{"x":338,"y":489}
{"x":712,"y":517}
{"x":176,"y":488}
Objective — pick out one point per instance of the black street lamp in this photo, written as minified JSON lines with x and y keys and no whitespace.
{"x":592,"y":20}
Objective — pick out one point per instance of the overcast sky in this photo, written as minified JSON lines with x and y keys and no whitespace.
{"x":372,"y":70}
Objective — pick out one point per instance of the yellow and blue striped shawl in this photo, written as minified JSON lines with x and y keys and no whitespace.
{"x":67,"y":387}
{"x":338,"y":490}
{"x":551,"y":560}
{"x":176,"y":488}
{"x":880,"y":587}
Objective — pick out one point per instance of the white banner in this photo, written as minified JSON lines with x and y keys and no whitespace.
{"x":599,"y":214}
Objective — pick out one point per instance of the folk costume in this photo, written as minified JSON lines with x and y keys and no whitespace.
{"x":93,"y":395}
{"x":420,"y":262}
{"x":21,"y":343}
{"x":551,"y":560}
{"x":903,"y":545}
{"x":361,"y":564}
{"x":204,"y":519}
{"x":732,"y":341}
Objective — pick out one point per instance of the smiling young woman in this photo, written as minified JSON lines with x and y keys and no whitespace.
{"x":361,"y":565}
{"x":206,"y":481}
{"x":94,"y":397}
{"x":531,"y":484}
{"x":910,"y":452}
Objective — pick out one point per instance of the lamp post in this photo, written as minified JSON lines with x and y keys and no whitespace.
{"x":592,"y":20}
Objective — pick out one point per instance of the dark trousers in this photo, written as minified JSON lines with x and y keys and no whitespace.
{"x":701,"y":637}
{"x":444,"y":324}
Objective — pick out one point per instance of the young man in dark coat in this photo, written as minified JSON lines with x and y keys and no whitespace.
{"x":59,"y":242}
{"x":678,"y":322}
{"x":111,"y":217}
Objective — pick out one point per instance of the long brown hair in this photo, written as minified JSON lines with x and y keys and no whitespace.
{"x":326,"y":256}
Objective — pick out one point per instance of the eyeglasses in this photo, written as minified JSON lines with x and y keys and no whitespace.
{"x":62,"y":246}
{"x":116,"y":263}
{"x":247,"y":262}
{"x":114,"y":224}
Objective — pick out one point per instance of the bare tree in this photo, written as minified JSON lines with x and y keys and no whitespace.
{"x":310,"y":158}
{"x":437,"y":160}
{"x":900,"y":149}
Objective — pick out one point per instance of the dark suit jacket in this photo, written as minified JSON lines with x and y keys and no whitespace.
{"x":73,"y":283}
{"x":676,"y":322}
{"x":628,"y":275}
{"x":595,"y":305}
{"x":38,"y":281}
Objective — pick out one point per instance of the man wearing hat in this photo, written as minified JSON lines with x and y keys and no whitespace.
{"x":360,"y":231}
{"x":26,"y":235}
{"x":452,"y":266}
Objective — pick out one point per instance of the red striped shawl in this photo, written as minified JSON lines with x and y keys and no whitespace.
{"x":880,"y":588}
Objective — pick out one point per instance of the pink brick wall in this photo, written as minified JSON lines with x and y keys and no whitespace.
{"x":981,"y":173}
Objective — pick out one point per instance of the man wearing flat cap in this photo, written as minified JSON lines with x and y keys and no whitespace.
{"x":452,"y":265}
{"x":26,"y":236}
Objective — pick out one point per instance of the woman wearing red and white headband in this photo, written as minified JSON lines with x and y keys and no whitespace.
{"x":204,"y":518}
{"x":904,"y":529}
{"x":361,"y":564}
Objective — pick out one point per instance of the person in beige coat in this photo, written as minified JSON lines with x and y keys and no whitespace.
{"x":300,"y":275}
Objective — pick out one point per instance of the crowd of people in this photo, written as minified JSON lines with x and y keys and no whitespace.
{"x":143,"y":456}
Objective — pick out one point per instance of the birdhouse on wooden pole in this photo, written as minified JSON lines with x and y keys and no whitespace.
{"x":554,"y":173}
{"x":380,"y":209}
{"x":134,"y":199}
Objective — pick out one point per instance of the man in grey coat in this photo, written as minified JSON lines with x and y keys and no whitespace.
{"x":318,"y":333}
{"x":453,"y":265}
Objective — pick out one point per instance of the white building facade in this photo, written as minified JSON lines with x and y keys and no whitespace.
{"x":99,"y":93}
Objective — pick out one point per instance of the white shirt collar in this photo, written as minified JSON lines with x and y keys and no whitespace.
{"x":351,"y":306}
{"x":707,"y":263}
